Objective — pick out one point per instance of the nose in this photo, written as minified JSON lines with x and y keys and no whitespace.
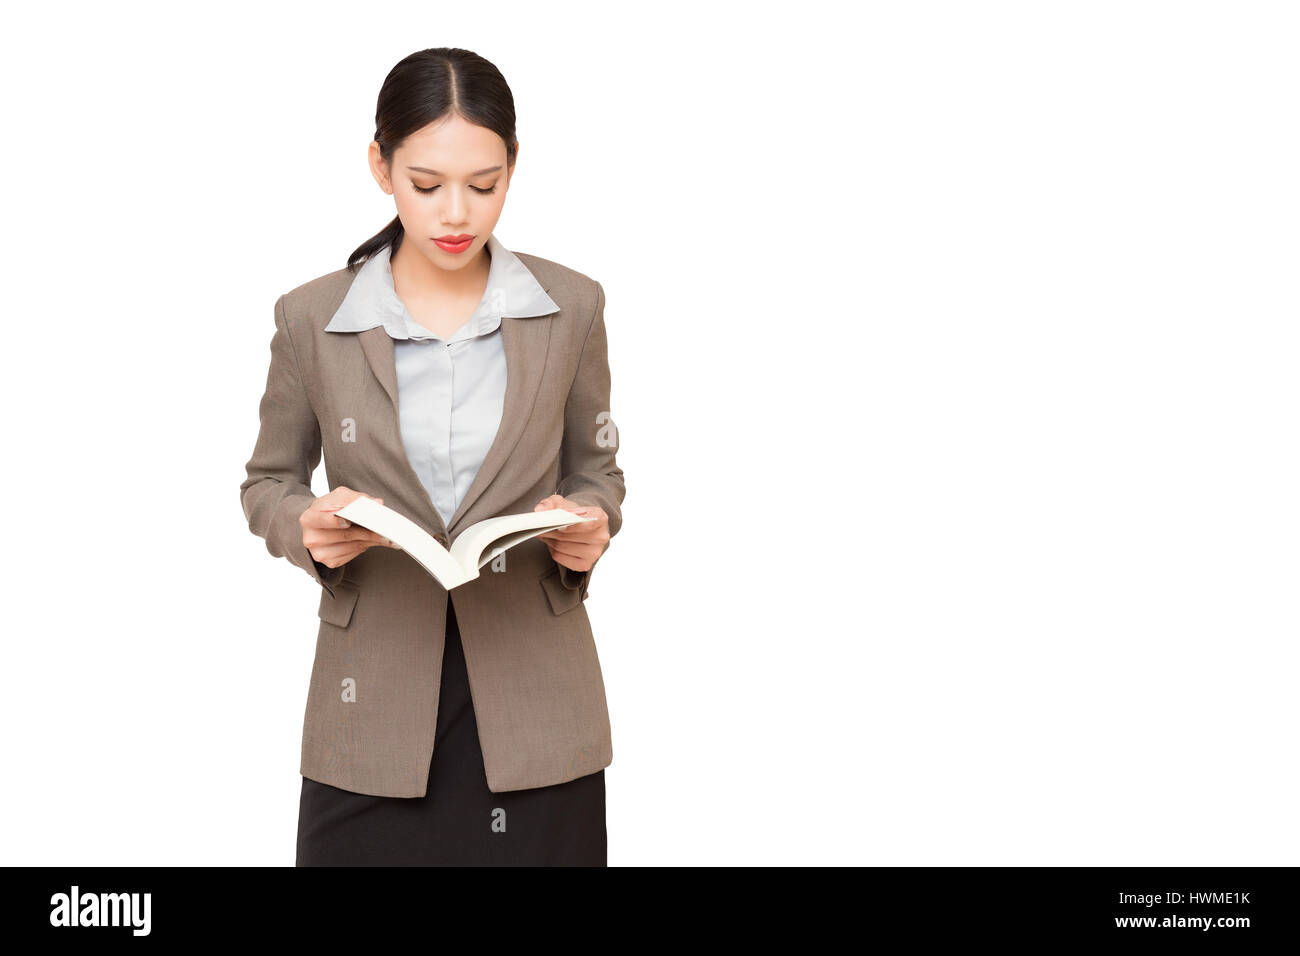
{"x":456,"y":209}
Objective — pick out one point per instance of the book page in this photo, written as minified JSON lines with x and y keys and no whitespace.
{"x":412,"y":539}
{"x":478,"y":544}
{"x":499,"y":545}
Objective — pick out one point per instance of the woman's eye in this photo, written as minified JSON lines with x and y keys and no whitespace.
{"x":485,"y":192}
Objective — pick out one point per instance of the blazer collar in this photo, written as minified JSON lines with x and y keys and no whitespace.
{"x":372,"y":298}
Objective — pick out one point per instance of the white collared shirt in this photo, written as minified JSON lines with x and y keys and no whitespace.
{"x":451,"y":392}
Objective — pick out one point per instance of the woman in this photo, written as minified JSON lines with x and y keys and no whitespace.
{"x":453,"y":381}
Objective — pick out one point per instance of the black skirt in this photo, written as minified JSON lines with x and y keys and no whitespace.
{"x":459,"y":821}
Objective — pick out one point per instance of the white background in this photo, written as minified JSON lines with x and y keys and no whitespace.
{"x":954,"y":364}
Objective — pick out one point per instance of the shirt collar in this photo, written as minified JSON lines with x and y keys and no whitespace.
{"x":372,"y":299}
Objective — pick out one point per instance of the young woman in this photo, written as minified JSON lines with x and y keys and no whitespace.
{"x":453,"y":381}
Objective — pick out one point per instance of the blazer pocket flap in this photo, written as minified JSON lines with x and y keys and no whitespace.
{"x":562,"y":599}
{"x":337,"y":608}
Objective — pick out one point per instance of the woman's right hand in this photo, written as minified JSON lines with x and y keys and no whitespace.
{"x":334,"y":541}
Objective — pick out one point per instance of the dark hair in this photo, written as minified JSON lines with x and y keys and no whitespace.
{"x":422,"y":89}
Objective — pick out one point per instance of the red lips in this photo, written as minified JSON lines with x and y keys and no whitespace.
{"x":452,"y":238}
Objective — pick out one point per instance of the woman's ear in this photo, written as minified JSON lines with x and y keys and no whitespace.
{"x":379,"y":168}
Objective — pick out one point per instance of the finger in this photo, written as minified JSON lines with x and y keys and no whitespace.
{"x":574,"y":531}
{"x":325,"y":518}
{"x":375,"y":540}
{"x":332,"y":555}
{"x":336,"y":497}
{"x":577,"y":552}
{"x":346,"y":523}
{"x":356,"y":535}
{"x":329,"y":519}
{"x":593,"y":536}
{"x":580,"y":527}
{"x":366,"y":538}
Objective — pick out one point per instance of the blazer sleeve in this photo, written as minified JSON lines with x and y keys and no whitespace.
{"x":589,"y":473}
{"x":278,"y":487}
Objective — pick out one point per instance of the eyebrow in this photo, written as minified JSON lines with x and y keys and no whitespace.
{"x":434,"y":172}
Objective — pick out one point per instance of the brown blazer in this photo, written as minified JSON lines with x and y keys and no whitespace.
{"x":534,"y":675}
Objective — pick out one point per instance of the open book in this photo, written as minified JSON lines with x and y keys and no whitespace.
{"x":470,"y":551}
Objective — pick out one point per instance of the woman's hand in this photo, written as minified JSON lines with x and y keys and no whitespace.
{"x":576,"y":546}
{"x":332,"y":540}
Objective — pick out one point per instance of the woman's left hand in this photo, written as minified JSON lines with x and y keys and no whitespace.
{"x":576,"y":546}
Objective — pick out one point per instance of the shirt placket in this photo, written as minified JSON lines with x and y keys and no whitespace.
{"x":445,"y":395}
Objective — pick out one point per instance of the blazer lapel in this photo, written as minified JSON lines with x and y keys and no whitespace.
{"x":526,"y":342}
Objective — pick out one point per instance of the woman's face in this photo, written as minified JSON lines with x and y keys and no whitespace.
{"x":449,"y":179}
